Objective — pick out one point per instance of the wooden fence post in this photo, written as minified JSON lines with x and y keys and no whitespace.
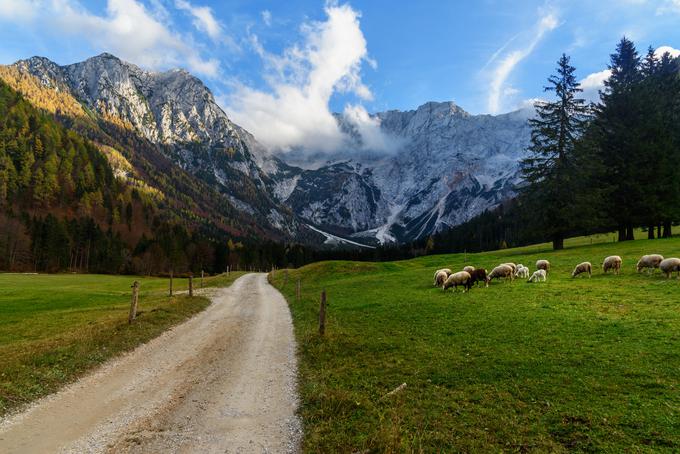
{"x":170,"y":282}
{"x":322,"y":313}
{"x":133,"y":304}
{"x":297,"y":290}
{"x":201,"y":278}
{"x":191,"y":285}
{"x":227,"y":270}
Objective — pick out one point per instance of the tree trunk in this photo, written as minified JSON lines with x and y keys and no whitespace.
{"x":622,"y":232}
{"x":667,"y":229}
{"x":558,"y":243}
{"x":658,"y":230}
{"x":630,"y":232}
{"x":650,"y":232}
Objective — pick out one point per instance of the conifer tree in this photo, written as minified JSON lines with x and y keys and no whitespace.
{"x":552,"y":169}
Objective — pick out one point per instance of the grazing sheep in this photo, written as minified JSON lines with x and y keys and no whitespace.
{"x":543,"y":265}
{"x":539,"y":275}
{"x":584,"y":267}
{"x":460,"y":278}
{"x":501,"y":271}
{"x":445,"y":270}
{"x":522,"y":271}
{"x":469,"y":269}
{"x":479,"y":275}
{"x":649,"y":261}
{"x":613,"y":262}
{"x":440,"y":278}
{"x":511,"y":265}
{"x":670,"y":265}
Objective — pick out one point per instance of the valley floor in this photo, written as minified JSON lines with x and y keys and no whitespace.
{"x":568,"y":365}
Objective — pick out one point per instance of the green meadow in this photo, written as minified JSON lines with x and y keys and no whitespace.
{"x":570,"y":365}
{"x":53,"y":328}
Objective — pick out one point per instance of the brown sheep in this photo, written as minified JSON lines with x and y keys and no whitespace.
{"x":502,"y":271}
{"x":479,"y":275}
{"x":460,"y":278}
{"x":613,"y":262}
{"x":543,"y":265}
{"x":670,"y":265}
{"x":584,"y":267}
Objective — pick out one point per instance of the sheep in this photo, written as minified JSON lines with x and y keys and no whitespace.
{"x":469,"y":269}
{"x":649,"y":261}
{"x":440,"y":278}
{"x":543,"y":265}
{"x":511,"y":265}
{"x":522,"y":271}
{"x":613,"y":262}
{"x":584,"y":267}
{"x":670,"y":265}
{"x":539,"y":275}
{"x":445,"y":270}
{"x":460,"y":278}
{"x":479,"y":275}
{"x":501,"y":271}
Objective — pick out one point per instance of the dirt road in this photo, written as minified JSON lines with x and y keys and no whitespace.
{"x":223,"y":381}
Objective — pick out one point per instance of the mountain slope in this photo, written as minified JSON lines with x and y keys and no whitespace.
{"x":166,"y":124}
{"x":447,"y":166}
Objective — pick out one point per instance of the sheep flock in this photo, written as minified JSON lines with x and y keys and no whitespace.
{"x":470,"y":276}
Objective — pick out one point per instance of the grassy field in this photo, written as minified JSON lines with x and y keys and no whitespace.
{"x":53,"y":328}
{"x":578,"y":364}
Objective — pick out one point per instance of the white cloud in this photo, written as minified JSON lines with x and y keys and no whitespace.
{"x":593,"y":83}
{"x":507,"y":64}
{"x":126,"y":28}
{"x":294,"y":112}
{"x":18,"y":9}
{"x":203,"y":18}
{"x":663,"y":49}
{"x":267,"y":17}
{"x":668,"y":6}
{"x":368,"y":127}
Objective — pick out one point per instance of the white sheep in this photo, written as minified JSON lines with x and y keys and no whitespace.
{"x":649,"y":261}
{"x":440,"y":278}
{"x":469,"y":269}
{"x":460,"y":278}
{"x":511,"y":265}
{"x":539,"y":275}
{"x":543,"y":265}
{"x":522,"y":271}
{"x":670,"y":265}
{"x":500,"y":271}
{"x":584,"y":267}
{"x":445,"y":270}
{"x":613,"y":262}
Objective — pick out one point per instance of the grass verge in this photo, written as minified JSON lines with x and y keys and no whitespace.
{"x":571,"y":365}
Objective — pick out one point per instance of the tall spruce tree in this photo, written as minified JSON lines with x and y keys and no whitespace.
{"x":553,"y":170}
{"x":618,"y":139}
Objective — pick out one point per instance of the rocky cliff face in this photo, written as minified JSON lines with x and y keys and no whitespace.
{"x":447,"y":167}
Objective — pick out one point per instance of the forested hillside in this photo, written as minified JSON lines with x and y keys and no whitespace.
{"x":71,"y":203}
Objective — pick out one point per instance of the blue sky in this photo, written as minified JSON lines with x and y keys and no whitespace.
{"x":280,"y":68}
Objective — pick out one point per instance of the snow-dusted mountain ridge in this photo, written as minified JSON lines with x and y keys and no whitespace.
{"x":448,"y":167}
